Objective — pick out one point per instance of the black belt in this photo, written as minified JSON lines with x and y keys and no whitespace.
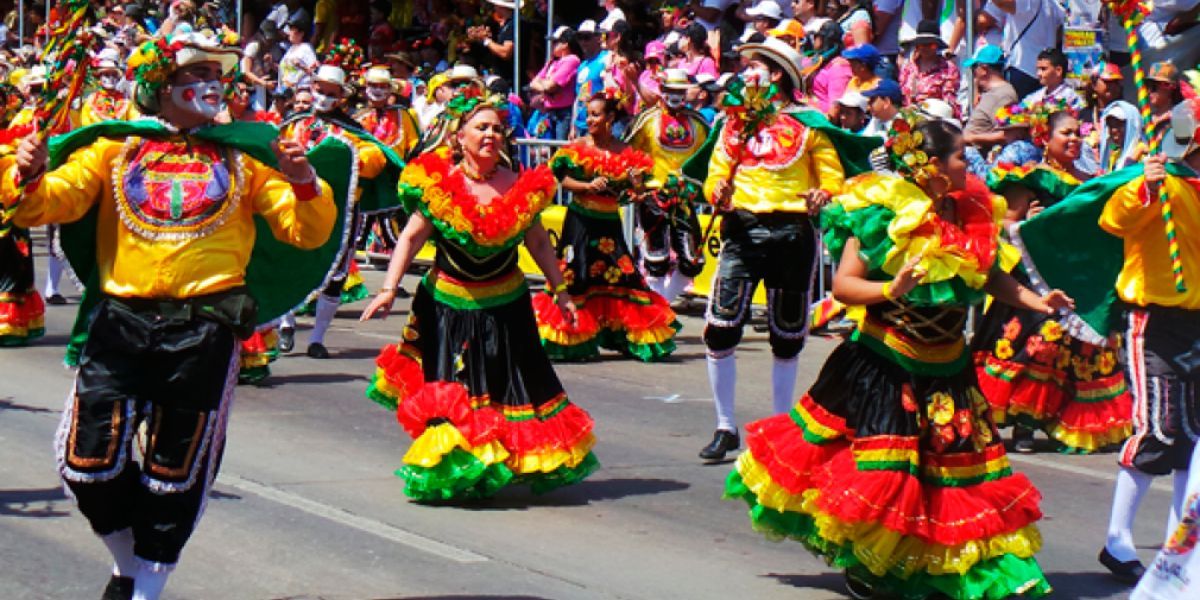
{"x":235,"y":308}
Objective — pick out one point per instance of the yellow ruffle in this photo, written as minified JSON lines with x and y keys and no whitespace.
{"x":654,"y":335}
{"x":880,"y":549}
{"x":253,"y":360}
{"x":563,"y":338}
{"x":9,"y":329}
{"x":548,"y":460}
{"x":767,"y":493}
{"x":438,"y":441}
{"x":914,"y":209}
{"x":1090,"y":442}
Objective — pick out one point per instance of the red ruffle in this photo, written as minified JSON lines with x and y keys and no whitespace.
{"x":615,"y":312}
{"x":1039,"y":399}
{"x":548,"y":314}
{"x":257,"y":344}
{"x":449,"y":401}
{"x":400,"y":370}
{"x":902,"y":503}
{"x":1098,"y":417}
{"x":612,"y":165}
{"x":25,"y":313}
{"x":778,"y":444}
{"x":565,"y":430}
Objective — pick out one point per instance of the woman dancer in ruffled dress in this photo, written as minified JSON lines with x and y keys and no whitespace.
{"x":889,"y":467}
{"x":468,"y":379}
{"x":617,"y":310}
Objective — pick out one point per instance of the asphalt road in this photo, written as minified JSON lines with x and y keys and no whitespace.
{"x":307,"y":505}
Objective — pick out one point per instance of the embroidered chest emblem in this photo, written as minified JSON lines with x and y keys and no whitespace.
{"x":676,"y":134}
{"x":776,"y":146}
{"x":385,"y":127}
{"x":167,"y":190}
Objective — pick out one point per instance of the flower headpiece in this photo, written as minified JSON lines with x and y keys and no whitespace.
{"x":1034,"y":115}
{"x":472,"y":97}
{"x":152,"y":63}
{"x":904,"y":147}
{"x":346,"y":54}
{"x":749,"y":106}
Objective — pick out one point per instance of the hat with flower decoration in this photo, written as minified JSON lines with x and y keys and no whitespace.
{"x":153,"y":63}
{"x":1034,"y":115}
{"x":903,"y":146}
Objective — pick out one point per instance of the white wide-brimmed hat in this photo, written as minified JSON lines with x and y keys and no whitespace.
{"x":779,"y":53}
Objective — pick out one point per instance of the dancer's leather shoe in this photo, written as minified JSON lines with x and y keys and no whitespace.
{"x":317,"y":351}
{"x":723,"y":441}
{"x":118,"y":588}
{"x":1129,"y":571}
{"x":287,"y":339}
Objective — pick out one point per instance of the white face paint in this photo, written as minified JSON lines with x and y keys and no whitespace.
{"x":756,"y":77}
{"x":190,"y":98}
{"x":674,"y":100}
{"x":375,"y":94}
{"x":323,"y":103}
{"x":109,"y":82}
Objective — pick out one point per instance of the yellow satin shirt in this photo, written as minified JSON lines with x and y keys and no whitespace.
{"x":1147,"y":277}
{"x":394,"y":126}
{"x":175,"y":219}
{"x":371,"y":160}
{"x":774,"y":167}
{"x":669,"y":148}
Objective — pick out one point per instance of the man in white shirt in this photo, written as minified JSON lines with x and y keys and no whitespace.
{"x":1030,"y":27}
{"x":883,"y":102}
{"x":614,"y":14}
{"x":1052,"y":66}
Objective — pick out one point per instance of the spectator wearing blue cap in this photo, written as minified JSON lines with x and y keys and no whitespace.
{"x":883,"y":102}
{"x":987,"y":66}
{"x":863,"y":61}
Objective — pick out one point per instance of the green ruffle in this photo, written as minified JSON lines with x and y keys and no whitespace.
{"x":541,"y":483}
{"x":10,"y":341}
{"x":355,"y":293}
{"x":617,"y":340}
{"x":459,"y":475}
{"x":1042,"y":181}
{"x":869,"y":225}
{"x":253,"y":375}
{"x":585,"y":351}
{"x":410,"y":197}
{"x":993,"y":579}
{"x":378,"y":397}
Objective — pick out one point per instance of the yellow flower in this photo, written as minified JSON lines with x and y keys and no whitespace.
{"x":612,"y":275}
{"x":1106,"y":362}
{"x":606,"y":245}
{"x":1004,"y":349}
{"x":1064,"y":358}
{"x":410,"y":334}
{"x":941,"y":408}
{"x":1083,"y":368}
{"x":1052,"y":331}
{"x":983,"y":434}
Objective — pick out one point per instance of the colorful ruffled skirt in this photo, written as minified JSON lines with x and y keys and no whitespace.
{"x":22,"y":312}
{"x":258,"y":353}
{"x":1035,"y":375}
{"x":616,"y":309}
{"x":353,"y":290}
{"x":898,"y":478}
{"x":481,"y":401}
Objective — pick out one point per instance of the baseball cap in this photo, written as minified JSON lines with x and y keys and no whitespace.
{"x":587,"y":27}
{"x":986,"y":55}
{"x":769,"y":10}
{"x":853,"y":99}
{"x":1163,"y":71}
{"x":561,"y":33}
{"x":865,"y":53}
{"x":887,"y":88}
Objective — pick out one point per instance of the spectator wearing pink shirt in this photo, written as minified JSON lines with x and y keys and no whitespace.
{"x":553,"y":89}
{"x":697,"y":55}
{"x":650,"y":81}
{"x":833,"y":72}
{"x":928,"y":75}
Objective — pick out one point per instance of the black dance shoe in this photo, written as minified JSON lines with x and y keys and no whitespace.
{"x":56,"y":299}
{"x":1129,"y":571}
{"x":857,"y":589}
{"x":287,"y":339}
{"x":118,"y":588}
{"x":316,"y":350}
{"x":723,"y":441}
{"x":1022,"y":440}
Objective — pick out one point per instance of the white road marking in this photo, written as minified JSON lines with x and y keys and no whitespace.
{"x":364,"y":524}
{"x":676,"y":399}
{"x":1161,"y":484}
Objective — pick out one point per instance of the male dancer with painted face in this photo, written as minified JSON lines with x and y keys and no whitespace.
{"x":108,"y":102}
{"x":767,"y":181}
{"x":328,"y":118}
{"x":670,"y":133}
{"x":168,"y":215}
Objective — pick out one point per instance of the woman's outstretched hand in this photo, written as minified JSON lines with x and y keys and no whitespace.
{"x":381,"y":302}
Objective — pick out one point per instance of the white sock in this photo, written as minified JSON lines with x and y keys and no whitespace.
{"x":1130,"y":489}
{"x":54,"y":270}
{"x":1178,"y":496}
{"x":288,"y":321}
{"x":326,"y":309}
{"x":722,"y":375}
{"x":658,"y":285}
{"x":677,"y":283}
{"x":150,"y":580}
{"x":783,"y":383}
{"x":120,"y":545}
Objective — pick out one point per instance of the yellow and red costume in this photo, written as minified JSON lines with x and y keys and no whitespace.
{"x":395,"y":126}
{"x":105,"y":105}
{"x":22,"y":311}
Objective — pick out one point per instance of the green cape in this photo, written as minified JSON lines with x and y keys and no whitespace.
{"x":279,"y":276}
{"x":853,"y":150}
{"x":1064,"y":248}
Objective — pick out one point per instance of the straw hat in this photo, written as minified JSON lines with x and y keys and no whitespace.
{"x":779,"y":53}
